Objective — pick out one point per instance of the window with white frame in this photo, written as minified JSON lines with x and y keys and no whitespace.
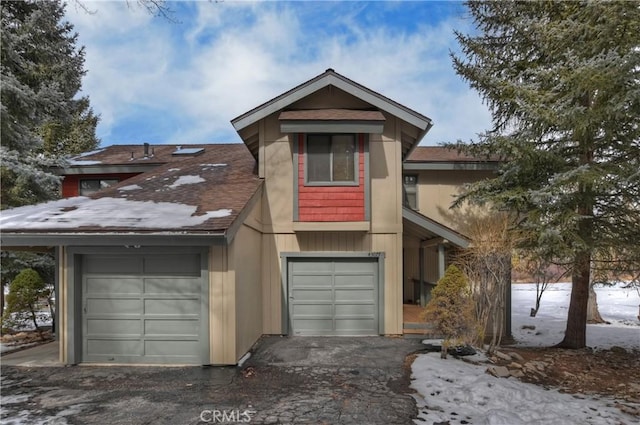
{"x":331,"y":159}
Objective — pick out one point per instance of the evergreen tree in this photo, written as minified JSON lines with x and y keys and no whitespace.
{"x":562,"y":82}
{"x":451,"y":309}
{"x":26,"y":292}
{"x":42,"y":115}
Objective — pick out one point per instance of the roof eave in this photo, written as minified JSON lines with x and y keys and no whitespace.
{"x":332,"y":78}
{"x":29,"y":239}
{"x":434,"y":227}
{"x":449,"y":165}
{"x":106,"y":169}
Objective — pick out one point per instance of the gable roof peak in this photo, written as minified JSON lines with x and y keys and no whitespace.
{"x":328,"y":78}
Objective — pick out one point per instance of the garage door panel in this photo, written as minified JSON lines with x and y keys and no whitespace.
{"x":114,"y":285}
{"x":110,"y":327}
{"x":304,"y":280}
{"x":314,"y":326}
{"x":171,"y":327}
{"x":113,"y":306}
{"x":340,"y":299}
{"x":354,"y":280}
{"x":311,"y":266}
{"x":303,"y":295}
{"x":347,"y":295}
{"x":172,"y":286}
{"x":172,"y":265}
{"x":107,"y":264}
{"x":115,"y":347}
{"x":147,"y":311}
{"x":167,"y":307}
{"x":355,"y":266}
{"x":367,"y":310}
{"x":313,"y":310}
{"x":170,"y":348}
{"x":355,"y":326}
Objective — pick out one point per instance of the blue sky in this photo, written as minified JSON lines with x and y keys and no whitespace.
{"x":157,"y":81}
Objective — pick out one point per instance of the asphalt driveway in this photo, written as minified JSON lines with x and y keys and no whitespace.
{"x":287,"y":380}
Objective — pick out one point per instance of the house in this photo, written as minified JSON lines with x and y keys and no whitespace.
{"x":324,"y":222}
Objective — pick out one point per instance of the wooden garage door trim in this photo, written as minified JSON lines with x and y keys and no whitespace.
{"x":286,"y":257}
{"x":74,"y":305}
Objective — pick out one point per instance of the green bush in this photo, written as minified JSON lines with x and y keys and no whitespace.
{"x":451,"y":309}
{"x":25,"y":292}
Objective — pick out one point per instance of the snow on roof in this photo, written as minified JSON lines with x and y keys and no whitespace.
{"x":82,"y":162}
{"x":185,"y":198}
{"x":105,"y":212}
{"x":182,"y":180}
{"x":90,"y":153}
{"x":130,"y":187}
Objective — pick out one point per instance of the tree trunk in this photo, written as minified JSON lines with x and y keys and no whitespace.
{"x":575,"y":335}
{"x":593,"y":315}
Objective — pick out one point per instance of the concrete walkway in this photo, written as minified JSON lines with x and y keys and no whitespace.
{"x":43,"y":355}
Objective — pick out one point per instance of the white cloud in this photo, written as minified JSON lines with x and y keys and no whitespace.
{"x":184,"y":82}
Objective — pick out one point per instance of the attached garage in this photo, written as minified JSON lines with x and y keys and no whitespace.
{"x":144,"y":308}
{"x":334,"y":296}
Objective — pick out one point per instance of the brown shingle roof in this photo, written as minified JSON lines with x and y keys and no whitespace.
{"x":331,"y":115}
{"x":441,"y":154}
{"x":218,"y":183}
{"x":134,"y":155}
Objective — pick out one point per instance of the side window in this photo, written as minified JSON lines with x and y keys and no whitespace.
{"x":331,"y":159}
{"x":89,"y":186}
{"x":411,"y":191}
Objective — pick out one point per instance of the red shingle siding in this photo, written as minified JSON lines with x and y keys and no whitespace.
{"x":331,"y":203}
{"x":71,"y":184}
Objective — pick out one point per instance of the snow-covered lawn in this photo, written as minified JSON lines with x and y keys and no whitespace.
{"x":456,"y":392}
{"x":43,"y":318}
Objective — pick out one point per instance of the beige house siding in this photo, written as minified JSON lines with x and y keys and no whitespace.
{"x":247,"y":250}
{"x":222,"y":307}
{"x":437,"y":190}
{"x":385,"y":234}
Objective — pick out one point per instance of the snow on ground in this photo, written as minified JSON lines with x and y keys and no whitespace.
{"x":617,"y":305}
{"x":456,"y":392}
{"x":42,"y":317}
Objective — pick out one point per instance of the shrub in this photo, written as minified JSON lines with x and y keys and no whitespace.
{"x":25,"y":291}
{"x":451,"y":309}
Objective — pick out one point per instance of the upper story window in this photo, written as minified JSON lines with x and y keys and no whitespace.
{"x":331,"y":159}
{"x":89,"y":186}
{"x":411,"y":190}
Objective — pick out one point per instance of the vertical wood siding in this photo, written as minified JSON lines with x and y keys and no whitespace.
{"x":222,"y":307}
{"x":247,"y":249}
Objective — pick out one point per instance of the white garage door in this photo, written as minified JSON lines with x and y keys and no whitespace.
{"x":333,"y":296}
{"x":143,"y":309}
